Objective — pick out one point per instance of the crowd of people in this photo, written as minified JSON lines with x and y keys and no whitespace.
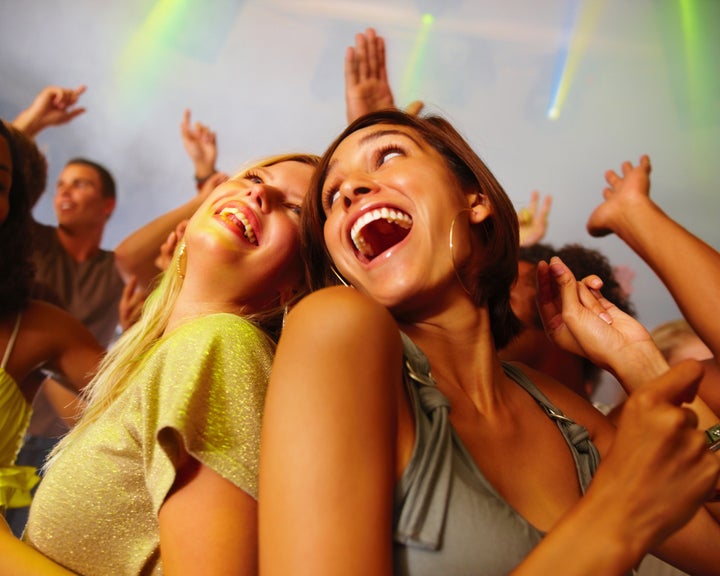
{"x":362,"y":362}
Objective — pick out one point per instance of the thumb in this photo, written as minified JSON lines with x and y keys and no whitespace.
{"x":415,"y":107}
{"x":564,"y":280}
{"x":680,"y":383}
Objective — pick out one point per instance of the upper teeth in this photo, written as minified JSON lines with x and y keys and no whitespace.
{"x":389,"y":214}
{"x":249,"y":233}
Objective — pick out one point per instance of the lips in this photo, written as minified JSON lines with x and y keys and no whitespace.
{"x":379,"y":230}
{"x":235,"y":216}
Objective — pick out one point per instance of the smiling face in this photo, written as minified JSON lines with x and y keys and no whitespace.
{"x":383,"y":201}
{"x":243,"y":241}
{"x":389,"y":199}
{"x":79,"y":201}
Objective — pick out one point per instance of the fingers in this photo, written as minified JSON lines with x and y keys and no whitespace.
{"x":611,"y":177}
{"x":367,"y":59}
{"x":574,"y":294}
{"x":547,"y":298}
{"x":679,"y":384}
{"x":131,"y":303}
{"x":414,"y":108}
{"x":62,"y":98}
{"x":382,"y":68}
{"x":180,"y":229}
{"x":372,"y":53}
{"x":351,"y":72}
{"x":545,"y":208}
{"x":75,"y":113}
{"x":361,"y":63}
{"x":129,"y":288}
{"x":167,"y":249}
{"x":593,"y":282}
{"x":213,"y":182}
{"x":645,"y":163}
{"x":534,"y":198}
{"x":587,"y":291}
{"x":185,"y":123}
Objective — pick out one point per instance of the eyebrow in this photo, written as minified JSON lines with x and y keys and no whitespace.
{"x":368,"y":138}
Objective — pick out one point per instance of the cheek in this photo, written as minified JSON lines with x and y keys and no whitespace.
{"x":331,"y":236}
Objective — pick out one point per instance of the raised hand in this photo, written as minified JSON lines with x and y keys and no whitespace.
{"x":577,"y":318}
{"x":623,"y":194}
{"x":167,"y":250}
{"x":366,"y":84}
{"x":533,"y":221}
{"x":415,"y":107}
{"x":53,"y":106}
{"x":131,"y":303}
{"x":201,"y":146}
{"x":212,"y":182}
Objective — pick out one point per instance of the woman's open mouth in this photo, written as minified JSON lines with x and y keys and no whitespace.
{"x":232,"y":215}
{"x":379,"y":230}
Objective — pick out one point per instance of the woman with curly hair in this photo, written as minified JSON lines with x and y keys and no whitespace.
{"x":33,"y":335}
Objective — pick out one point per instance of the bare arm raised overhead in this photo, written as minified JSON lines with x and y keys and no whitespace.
{"x":367,"y":88}
{"x":688,"y":266}
{"x":136,"y":255}
{"x":53,"y":106}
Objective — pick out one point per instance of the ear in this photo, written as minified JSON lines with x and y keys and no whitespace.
{"x":479,"y":207}
{"x":109,"y":207}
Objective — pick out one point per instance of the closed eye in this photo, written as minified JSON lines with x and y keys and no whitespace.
{"x":253,"y":177}
{"x":295,"y":208}
{"x":387,"y":153}
{"x":330,"y":196}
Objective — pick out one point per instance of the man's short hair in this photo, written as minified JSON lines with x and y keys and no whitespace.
{"x":106,"y":178}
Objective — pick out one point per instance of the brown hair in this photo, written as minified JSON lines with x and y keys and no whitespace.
{"x":106,"y":178}
{"x":490,"y":272}
{"x":16,"y":268}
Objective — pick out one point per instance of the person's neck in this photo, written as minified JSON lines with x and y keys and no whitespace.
{"x":198,"y":299}
{"x":81,"y":245}
{"x":461,"y":352}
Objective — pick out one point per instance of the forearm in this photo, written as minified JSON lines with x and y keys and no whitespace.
{"x":135,"y":255}
{"x":19,"y":559}
{"x":25,"y":122}
{"x":688,"y":267}
{"x":644,"y":365}
{"x":599,"y":543}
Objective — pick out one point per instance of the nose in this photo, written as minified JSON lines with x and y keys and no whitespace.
{"x":355,"y":186}
{"x":259,"y":194}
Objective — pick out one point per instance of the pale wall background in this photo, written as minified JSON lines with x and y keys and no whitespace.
{"x":641,"y":76}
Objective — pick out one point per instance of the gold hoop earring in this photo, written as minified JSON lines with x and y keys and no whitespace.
{"x":339,"y":277}
{"x":284,"y":317}
{"x":181,"y":262}
{"x":452,"y":251}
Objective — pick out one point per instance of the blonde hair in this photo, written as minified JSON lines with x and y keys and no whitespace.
{"x":670,"y":336}
{"x":116,"y":369}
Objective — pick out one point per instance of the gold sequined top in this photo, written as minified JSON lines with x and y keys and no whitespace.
{"x":96,"y":510}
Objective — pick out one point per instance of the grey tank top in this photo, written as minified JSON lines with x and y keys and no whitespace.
{"x":448,"y":519}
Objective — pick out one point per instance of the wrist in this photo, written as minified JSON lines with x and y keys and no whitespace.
{"x":639,"y":364}
{"x":631,"y":224}
{"x":201,"y":179}
{"x":24,"y":123}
